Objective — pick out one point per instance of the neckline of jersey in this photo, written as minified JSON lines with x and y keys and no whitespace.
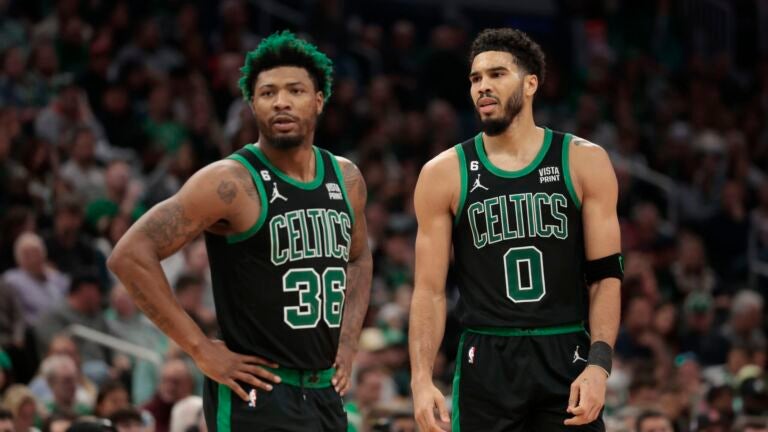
{"x":308,"y":185}
{"x":480,"y":147}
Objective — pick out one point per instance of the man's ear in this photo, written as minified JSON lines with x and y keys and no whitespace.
{"x":320,"y":100}
{"x":531,"y":85}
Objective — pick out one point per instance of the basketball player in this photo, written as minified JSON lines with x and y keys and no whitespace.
{"x":531,"y":215}
{"x":286,"y":236}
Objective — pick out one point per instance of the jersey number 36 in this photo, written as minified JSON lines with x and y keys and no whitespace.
{"x":318,"y":295}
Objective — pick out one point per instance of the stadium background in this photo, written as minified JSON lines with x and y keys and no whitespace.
{"x":106,"y":107}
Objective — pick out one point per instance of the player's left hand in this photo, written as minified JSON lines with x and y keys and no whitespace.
{"x":343,"y":364}
{"x":587,"y":396}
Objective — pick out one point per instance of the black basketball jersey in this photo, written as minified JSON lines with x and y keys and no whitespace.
{"x":279,"y":287}
{"x":518,"y":240}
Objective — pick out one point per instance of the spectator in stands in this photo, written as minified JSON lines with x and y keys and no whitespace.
{"x":175,"y":384}
{"x":189,"y":293}
{"x":691,"y":271}
{"x":367,"y":393}
{"x":82,"y":307}
{"x":37,"y":285}
{"x":24,"y":407}
{"x":58,"y":422}
{"x":68,"y":111}
{"x":653,"y":421}
{"x":112,"y":397}
{"x":69,"y":248}
{"x":63,"y":344}
{"x":81,"y":170}
{"x":121,"y":197}
{"x":61,"y":374}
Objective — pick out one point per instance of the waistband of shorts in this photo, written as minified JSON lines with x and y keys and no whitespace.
{"x":536,"y":331}
{"x":304,"y":378}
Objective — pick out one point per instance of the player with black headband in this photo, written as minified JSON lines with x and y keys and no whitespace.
{"x":530,"y":214}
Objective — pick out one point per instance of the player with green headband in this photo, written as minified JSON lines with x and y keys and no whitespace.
{"x":285,"y":230}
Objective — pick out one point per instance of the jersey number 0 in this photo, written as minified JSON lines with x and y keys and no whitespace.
{"x":524,"y":270}
{"x":317,"y":296}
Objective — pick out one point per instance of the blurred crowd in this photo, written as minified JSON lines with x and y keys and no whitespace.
{"x":108,"y":106}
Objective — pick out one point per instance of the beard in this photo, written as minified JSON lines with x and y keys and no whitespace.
{"x":496,"y":126}
{"x":282,"y":141}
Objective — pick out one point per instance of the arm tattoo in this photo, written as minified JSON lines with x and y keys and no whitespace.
{"x":245,"y":181}
{"x":168,"y":225}
{"x":227,"y":191}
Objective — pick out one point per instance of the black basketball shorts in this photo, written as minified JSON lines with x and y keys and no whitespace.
{"x":302,"y":402}
{"x":518,"y":379}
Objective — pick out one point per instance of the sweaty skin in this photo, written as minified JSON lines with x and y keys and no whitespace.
{"x":222,"y":199}
{"x":496,"y":85}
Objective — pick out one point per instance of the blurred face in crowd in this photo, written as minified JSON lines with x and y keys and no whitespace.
{"x":87,"y":298}
{"x":115,"y":400}
{"x":286,"y":105}
{"x":369,"y":388}
{"x":68,"y":223}
{"x":639,"y":314}
{"x":63,"y":383}
{"x":500,"y":89}
{"x":13,"y":67}
{"x":655,"y":424}
{"x":83,"y":149}
{"x":121,"y":302}
{"x":69,"y":101}
{"x":175,"y":381}
{"x":30,"y":253}
{"x":117,"y":176}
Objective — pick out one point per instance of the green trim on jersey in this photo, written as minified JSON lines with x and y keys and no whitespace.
{"x":567,"y":170}
{"x":463,"y":175}
{"x":343,"y":187}
{"x":313,"y":184}
{"x":542,"y":331}
{"x":234,"y":238}
{"x":294,"y":377}
{"x":513,"y":174}
{"x":455,"y":425}
{"x":224,"y":410}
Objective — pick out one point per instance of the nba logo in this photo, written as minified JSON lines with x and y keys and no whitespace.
{"x":471,"y":355}
{"x":252,"y":398}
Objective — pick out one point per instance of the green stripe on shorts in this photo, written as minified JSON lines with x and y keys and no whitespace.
{"x":542,"y":331}
{"x":455,"y":426}
{"x":224,"y":410}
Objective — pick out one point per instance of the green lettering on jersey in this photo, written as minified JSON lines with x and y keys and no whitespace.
{"x":530,"y":214}
{"x":279,"y":255}
{"x":559,"y":204}
{"x":491,"y":218}
{"x":506,"y":232}
{"x":308,"y":252}
{"x":315,"y":217}
{"x":346,"y":234}
{"x":518,"y":201}
{"x":539,"y":200}
{"x":293,"y":234}
{"x":474,"y":211}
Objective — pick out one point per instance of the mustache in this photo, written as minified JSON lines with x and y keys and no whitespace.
{"x":274,"y":118}
{"x":487,"y":95}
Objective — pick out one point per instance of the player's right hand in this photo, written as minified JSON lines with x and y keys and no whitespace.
{"x":220,"y":364}
{"x":425,"y":398}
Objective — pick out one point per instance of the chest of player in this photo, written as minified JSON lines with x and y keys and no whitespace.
{"x":499,"y":206}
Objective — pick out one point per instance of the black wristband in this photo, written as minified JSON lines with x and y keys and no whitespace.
{"x":601,"y":354}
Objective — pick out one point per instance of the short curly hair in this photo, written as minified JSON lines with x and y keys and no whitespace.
{"x":285,"y":49}
{"x":524,"y":50}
